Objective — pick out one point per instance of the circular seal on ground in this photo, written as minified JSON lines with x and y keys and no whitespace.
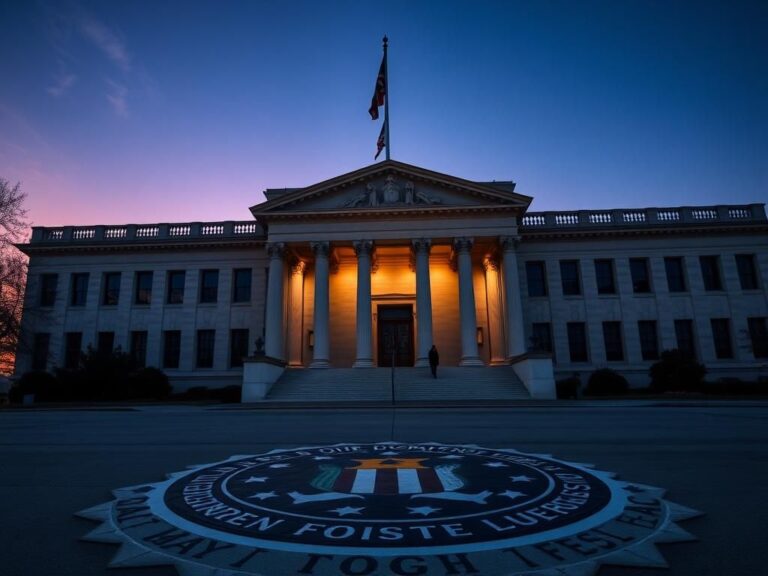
{"x":389,"y":508}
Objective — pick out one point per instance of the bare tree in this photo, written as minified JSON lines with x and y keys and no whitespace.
{"x":13,"y":271}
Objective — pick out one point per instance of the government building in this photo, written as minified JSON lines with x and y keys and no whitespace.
{"x":349,"y":282}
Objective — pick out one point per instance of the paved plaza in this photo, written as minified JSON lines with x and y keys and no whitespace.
{"x":709,"y":457}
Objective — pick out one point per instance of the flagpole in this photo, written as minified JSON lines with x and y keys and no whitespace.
{"x":386,"y":98}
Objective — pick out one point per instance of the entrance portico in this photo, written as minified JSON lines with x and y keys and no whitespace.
{"x":383,"y":243}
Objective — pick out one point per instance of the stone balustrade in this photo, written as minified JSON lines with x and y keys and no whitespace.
{"x":639,"y":217}
{"x":132,"y":233}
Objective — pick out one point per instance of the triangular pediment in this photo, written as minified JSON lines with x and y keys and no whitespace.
{"x":391,"y":186}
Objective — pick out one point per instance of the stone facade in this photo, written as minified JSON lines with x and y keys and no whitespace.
{"x":375,"y":266}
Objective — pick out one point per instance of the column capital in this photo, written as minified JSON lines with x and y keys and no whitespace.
{"x":490,"y":263}
{"x":363,"y":247}
{"x":299,"y":267}
{"x":275,"y":249}
{"x":320,"y":248}
{"x":463,"y":244}
{"x":508,"y":243}
{"x":421,"y":245}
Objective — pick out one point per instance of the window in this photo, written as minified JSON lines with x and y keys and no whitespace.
{"x":106,"y":342}
{"x":604,"y":276}
{"x":40,"y":347}
{"x":537,"y":278}
{"x":139,"y":347}
{"x":745,"y":263}
{"x":641,"y":278}
{"x":171,"y":348}
{"x":649,"y":339}
{"x":721,"y":335}
{"x":238,"y":346}
{"x":241,"y":291}
{"x":143,"y":288}
{"x":758,"y":333}
{"x":73,"y":342}
{"x":209,"y":286}
{"x":710,"y":272}
{"x":675,"y":274}
{"x":684,"y":335}
{"x":541,"y":337}
{"x":48,"y":285}
{"x":176,"y":280}
{"x":205,"y":341}
{"x":111,"y":293}
{"x":79,"y":289}
{"x":577,"y":342}
{"x":614,"y":350}
{"x":569,"y":273}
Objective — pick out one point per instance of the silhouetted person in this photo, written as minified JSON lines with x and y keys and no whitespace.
{"x":434,"y":360}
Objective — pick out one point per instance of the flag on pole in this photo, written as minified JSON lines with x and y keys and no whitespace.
{"x":380,"y":91}
{"x":381,"y":142}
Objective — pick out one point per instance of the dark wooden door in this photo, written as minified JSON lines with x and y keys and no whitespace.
{"x":395,"y":334}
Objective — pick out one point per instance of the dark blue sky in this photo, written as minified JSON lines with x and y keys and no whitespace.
{"x":171,"y":111}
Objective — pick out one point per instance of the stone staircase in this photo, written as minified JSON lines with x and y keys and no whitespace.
{"x":411,"y":385}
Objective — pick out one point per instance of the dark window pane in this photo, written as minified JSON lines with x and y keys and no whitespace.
{"x":758,"y":334}
{"x":48,"y":286}
{"x":614,"y":350}
{"x":106,"y":343}
{"x":111,"y":293}
{"x":209,"y":286}
{"x":40,"y":348}
{"x":684,"y":334}
{"x":238,"y":346}
{"x":569,"y":272}
{"x":176,"y":280}
{"x":710,"y":272}
{"x":171,"y":348}
{"x":641,"y":278}
{"x":242,"y":285}
{"x":205,"y":341}
{"x":721,"y":334}
{"x":675,"y":274}
{"x":604,"y":276}
{"x":747,"y":271}
{"x":649,"y":340}
{"x":143,"y":288}
{"x":79,"y":290}
{"x":73,"y":346}
{"x":537,"y":278}
{"x":139,"y":347}
{"x":577,"y":342}
{"x":541,"y":337}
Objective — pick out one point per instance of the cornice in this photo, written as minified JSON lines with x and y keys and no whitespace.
{"x":55,"y":248}
{"x":588,"y":233}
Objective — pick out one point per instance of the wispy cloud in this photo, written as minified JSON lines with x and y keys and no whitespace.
{"x":61,"y":85}
{"x":117,"y":97}
{"x":107,"y":41}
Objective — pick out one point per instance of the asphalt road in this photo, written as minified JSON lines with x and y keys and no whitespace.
{"x":54,"y":463}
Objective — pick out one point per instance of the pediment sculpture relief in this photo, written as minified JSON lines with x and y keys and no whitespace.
{"x":391,"y":194}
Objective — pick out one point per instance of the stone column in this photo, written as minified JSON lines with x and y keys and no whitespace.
{"x":495,"y":337}
{"x":273,"y":338}
{"x":320,"y":357}
{"x":421,"y":249}
{"x":467,"y":311}
{"x":296,"y":315}
{"x":364,"y":359}
{"x":516,"y":341}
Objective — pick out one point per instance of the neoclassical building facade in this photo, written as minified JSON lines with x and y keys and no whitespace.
{"x":373,"y":267}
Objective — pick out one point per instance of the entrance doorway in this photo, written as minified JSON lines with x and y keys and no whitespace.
{"x":395,"y":333}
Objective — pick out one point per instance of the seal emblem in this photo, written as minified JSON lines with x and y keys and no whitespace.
{"x":389,"y":508}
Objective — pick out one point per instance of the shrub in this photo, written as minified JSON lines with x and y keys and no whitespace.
{"x":568,"y":388}
{"x":606,"y":382}
{"x":148,"y":383}
{"x":45,"y":386}
{"x":676,"y":372}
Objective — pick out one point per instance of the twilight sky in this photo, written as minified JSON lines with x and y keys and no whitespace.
{"x":165,"y":111}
